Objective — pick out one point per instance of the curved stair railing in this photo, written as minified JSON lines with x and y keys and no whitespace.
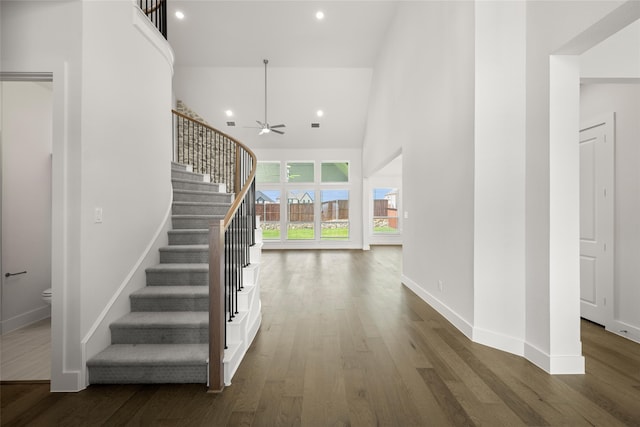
{"x":156,"y":11}
{"x":232,"y":163}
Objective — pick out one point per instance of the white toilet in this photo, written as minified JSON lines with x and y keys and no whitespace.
{"x":46,"y":296}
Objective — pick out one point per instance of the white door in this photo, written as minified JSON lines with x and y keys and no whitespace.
{"x":596,"y":219}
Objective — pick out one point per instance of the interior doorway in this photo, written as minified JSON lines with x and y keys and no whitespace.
{"x":596,"y":219}
{"x":26,"y":204}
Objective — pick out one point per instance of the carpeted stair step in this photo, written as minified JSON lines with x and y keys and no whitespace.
{"x":184,"y":254}
{"x":189,"y":176}
{"x":170,"y":298}
{"x":178,"y":275}
{"x":186,"y":184}
{"x":161,"y":327}
{"x":181,"y":167}
{"x":202,"y":196}
{"x":194,"y":221}
{"x":150,"y":363}
{"x":195,"y":236}
{"x":199,"y":208}
{"x":189,"y":237}
{"x":164,"y":337}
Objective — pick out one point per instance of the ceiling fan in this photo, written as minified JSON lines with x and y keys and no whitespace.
{"x":264,"y":126}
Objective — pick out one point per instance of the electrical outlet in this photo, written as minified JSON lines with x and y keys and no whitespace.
{"x":440,"y":285}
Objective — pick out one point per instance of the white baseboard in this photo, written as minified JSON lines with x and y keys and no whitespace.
{"x":65,"y":382}
{"x":624,"y":330}
{"x":559,"y":364}
{"x":498,"y":341}
{"x":25,"y":319}
{"x":554,"y":365}
{"x":453,"y":317}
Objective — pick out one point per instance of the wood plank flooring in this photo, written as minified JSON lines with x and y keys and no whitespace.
{"x":25,"y":354}
{"x":343,"y":343}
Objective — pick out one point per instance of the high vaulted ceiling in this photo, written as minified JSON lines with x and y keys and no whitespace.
{"x":241,"y":33}
{"x":313,"y":64}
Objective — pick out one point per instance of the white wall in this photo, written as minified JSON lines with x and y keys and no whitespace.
{"x":341,"y":93}
{"x":499,"y":175}
{"x":624,"y":100}
{"x":46,"y":37}
{"x":127,"y":148}
{"x":616,"y":57}
{"x":495,"y":172}
{"x":552,"y":269}
{"x":422,"y":104}
{"x":112,"y":148}
{"x":26,"y":201}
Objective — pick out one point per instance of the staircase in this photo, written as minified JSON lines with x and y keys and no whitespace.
{"x":164,"y":339}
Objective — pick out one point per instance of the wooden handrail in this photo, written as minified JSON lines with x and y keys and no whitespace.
{"x":217,"y":262}
{"x":245,"y":188}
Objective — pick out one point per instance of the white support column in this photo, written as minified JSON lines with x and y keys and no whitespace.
{"x":565,"y":348}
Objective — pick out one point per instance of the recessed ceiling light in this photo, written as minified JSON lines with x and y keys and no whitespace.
{"x":319,"y":15}
{"x":319,"y":113}
{"x":179,"y":15}
{"x":229,"y":113}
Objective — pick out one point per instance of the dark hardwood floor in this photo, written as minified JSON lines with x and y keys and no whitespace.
{"x":343,"y":343}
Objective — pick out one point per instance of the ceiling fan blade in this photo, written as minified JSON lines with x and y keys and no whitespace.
{"x":277,"y":126}
{"x":262,"y":125}
{"x":276,"y":131}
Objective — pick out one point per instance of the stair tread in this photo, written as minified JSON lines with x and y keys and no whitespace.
{"x":213,"y":184}
{"x":171,"y":291}
{"x":185,"y":248}
{"x":151,"y":354}
{"x":185,"y":203}
{"x":163,"y":319}
{"x":197,"y":267}
{"x":199,"y":192}
{"x":197,"y":216}
{"x":179,"y":166}
{"x":189,"y":231}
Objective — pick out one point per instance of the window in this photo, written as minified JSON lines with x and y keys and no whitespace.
{"x":334,"y":223}
{"x":300,"y":172}
{"x":334,"y":172}
{"x":268,"y":208}
{"x":304,"y":201}
{"x":300,"y":215}
{"x":385,"y":210}
{"x":268,"y":172}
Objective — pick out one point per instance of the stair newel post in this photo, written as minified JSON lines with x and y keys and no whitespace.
{"x":217,"y":316}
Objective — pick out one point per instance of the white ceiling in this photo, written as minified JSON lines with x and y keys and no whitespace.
{"x":312,"y":65}
{"x":241,"y":33}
